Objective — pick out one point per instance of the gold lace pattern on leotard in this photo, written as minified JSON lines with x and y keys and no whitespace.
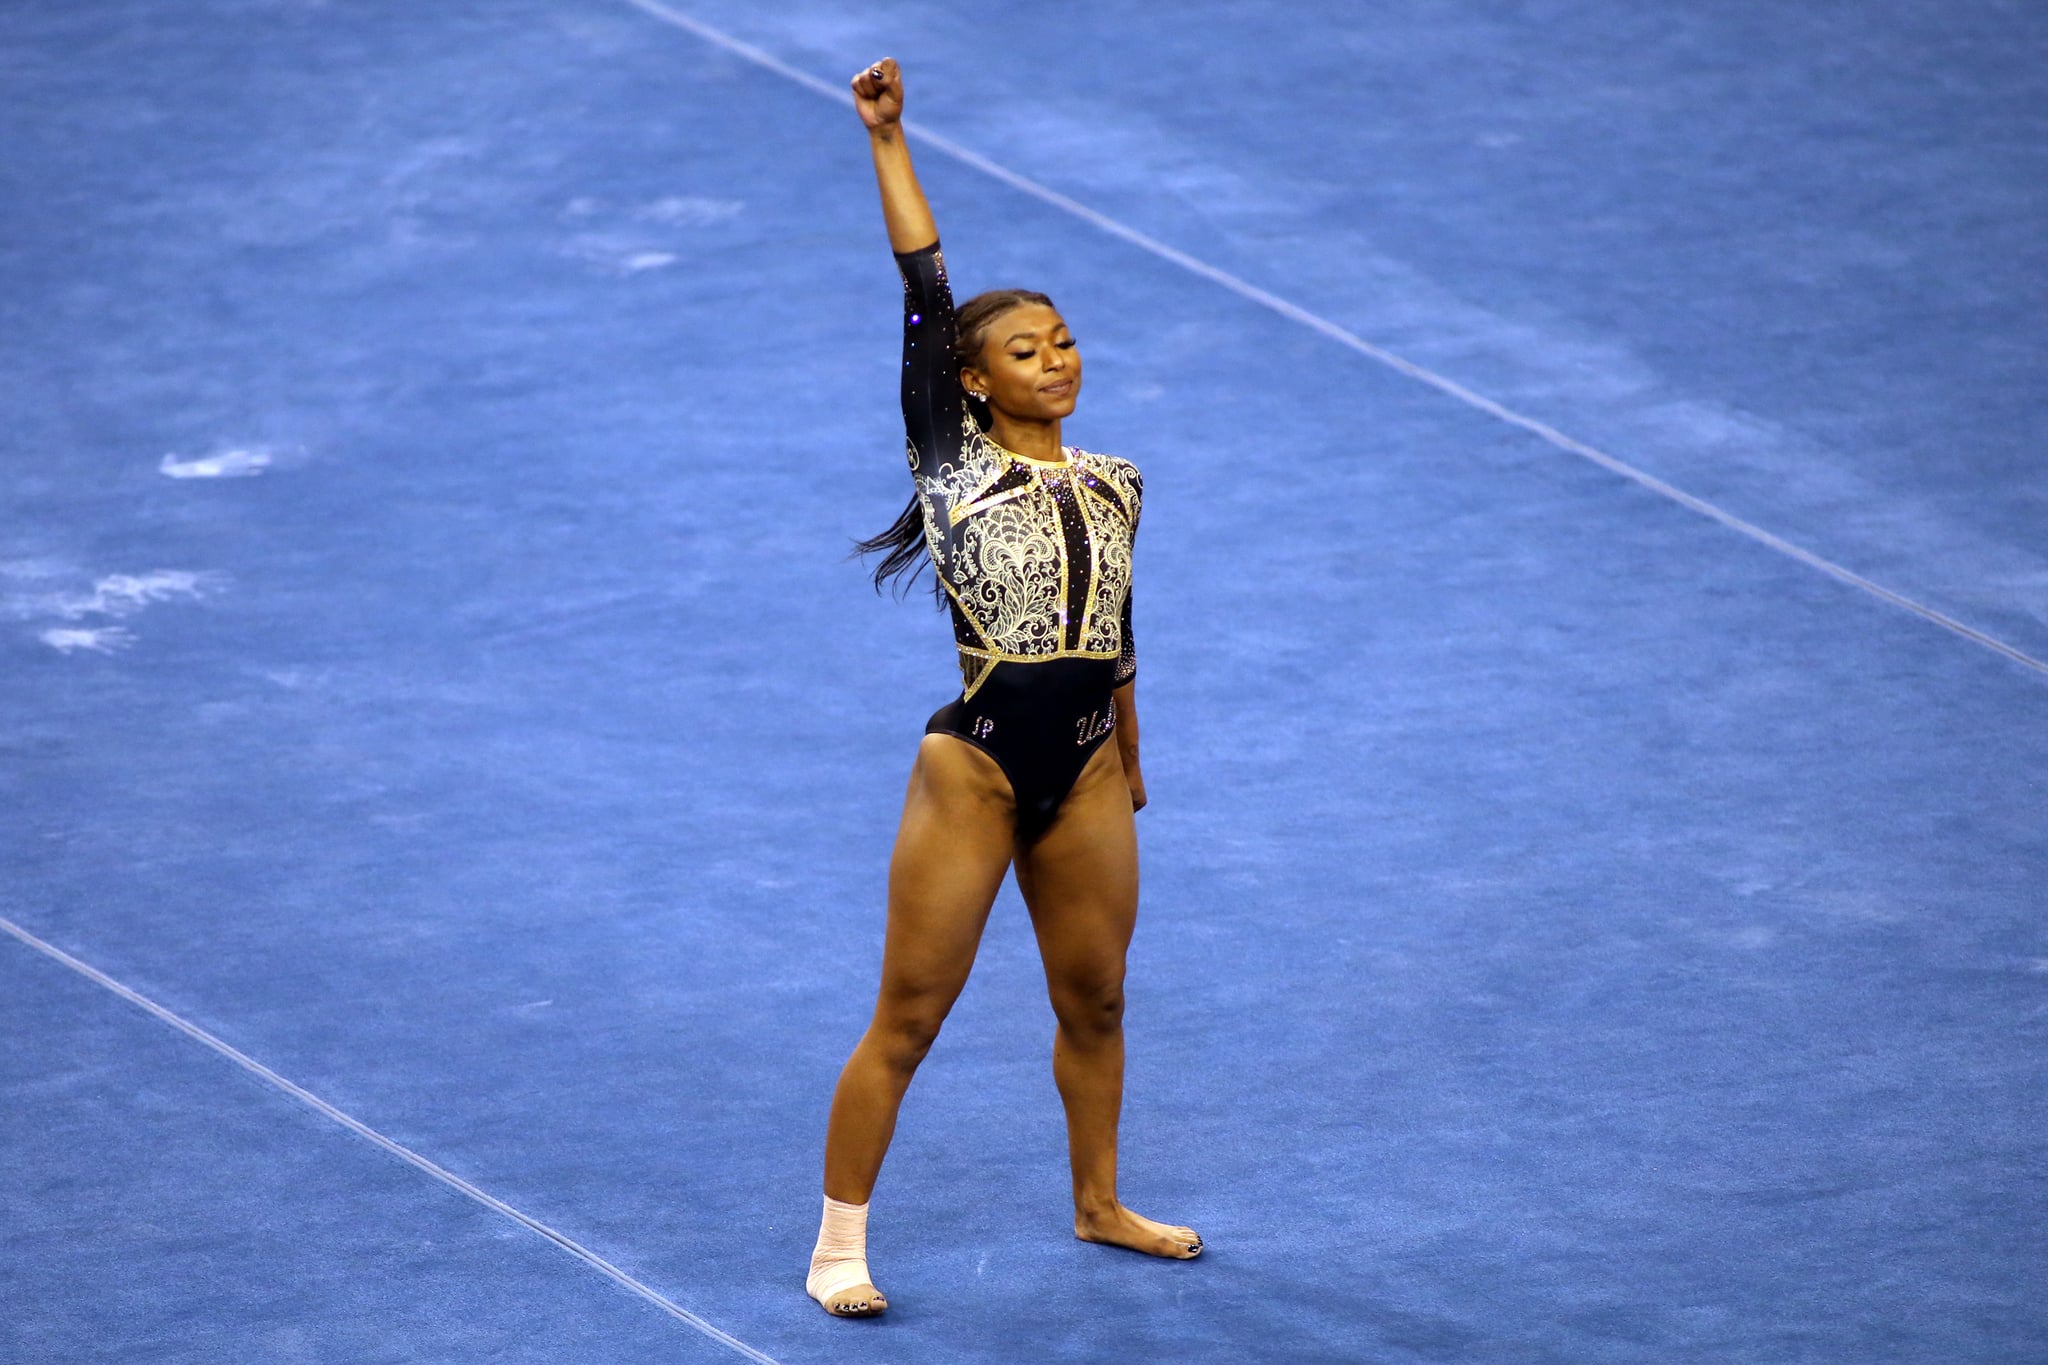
{"x":1035,"y":555}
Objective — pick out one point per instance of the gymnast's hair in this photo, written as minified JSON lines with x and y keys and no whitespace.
{"x":902,"y":546}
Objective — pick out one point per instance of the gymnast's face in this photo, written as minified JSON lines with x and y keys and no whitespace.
{"x":1030,"y":367}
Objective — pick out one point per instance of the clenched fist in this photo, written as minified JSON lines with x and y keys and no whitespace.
{"x":878,"y":93}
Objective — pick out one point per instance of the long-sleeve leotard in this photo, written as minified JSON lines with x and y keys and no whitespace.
{"x":1034,"y":555}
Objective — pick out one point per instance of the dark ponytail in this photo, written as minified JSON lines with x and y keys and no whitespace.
{"x":902,"y":546}
{"x":904,"y":541}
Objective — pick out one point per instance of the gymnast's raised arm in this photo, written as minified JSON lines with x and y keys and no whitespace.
{"x":934,"y":407}
{"x":878,"y":97}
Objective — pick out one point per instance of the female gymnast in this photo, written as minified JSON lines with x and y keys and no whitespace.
{"x":1031,"y":541}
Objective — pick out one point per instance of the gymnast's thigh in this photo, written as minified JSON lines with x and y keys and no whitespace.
{"x":952,"y":849}
{"x":1080,"y":878}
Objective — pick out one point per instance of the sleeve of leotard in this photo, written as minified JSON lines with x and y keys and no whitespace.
{"x":1127,"y":650}
{"x":1127,"y":654}
{"x":933,"y":406}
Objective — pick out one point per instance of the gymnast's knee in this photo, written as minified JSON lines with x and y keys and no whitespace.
{"x":1089,"y":1009}
{"x":902,"y":1036}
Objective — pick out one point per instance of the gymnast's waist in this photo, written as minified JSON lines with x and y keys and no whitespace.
{"x":1058,"y":683}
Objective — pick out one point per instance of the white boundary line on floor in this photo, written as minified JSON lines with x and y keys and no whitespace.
{"x":403,"y":1153}
{"x":1315,"y":322}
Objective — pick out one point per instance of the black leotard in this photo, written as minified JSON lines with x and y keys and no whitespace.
{"x":1035,"y":558}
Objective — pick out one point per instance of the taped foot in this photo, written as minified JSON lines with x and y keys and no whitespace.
{"x":839,"y":1264}
{"x":1122,"y":1228}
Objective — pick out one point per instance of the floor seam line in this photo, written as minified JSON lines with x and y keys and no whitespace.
{"x":395,"y":1148}
{"x":1345,"y":337}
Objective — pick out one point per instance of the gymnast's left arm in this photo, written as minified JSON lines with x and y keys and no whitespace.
{"x":1127,"y":740}
{"x":1125,"y":698}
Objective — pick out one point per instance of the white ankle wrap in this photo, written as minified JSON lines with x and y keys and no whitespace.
{"x":841,"y":1259}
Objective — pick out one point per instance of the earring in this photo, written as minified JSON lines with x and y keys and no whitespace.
{"x":977,"y":397}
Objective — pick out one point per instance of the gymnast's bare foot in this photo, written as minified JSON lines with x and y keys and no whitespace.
{"x":858,"y":1301}
{"x":1118,"y":1226}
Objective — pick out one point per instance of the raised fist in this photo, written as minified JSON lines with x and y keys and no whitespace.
{"x":878,"y":93}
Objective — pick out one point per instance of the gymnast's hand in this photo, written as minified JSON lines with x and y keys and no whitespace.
{"x":878,"y":93}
